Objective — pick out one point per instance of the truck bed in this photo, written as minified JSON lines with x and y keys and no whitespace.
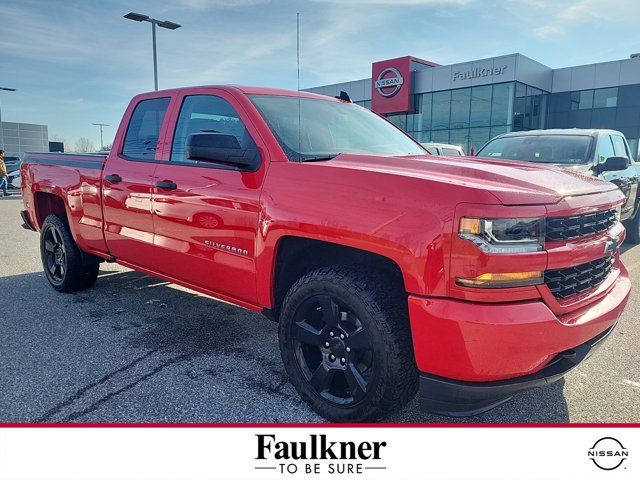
{"x":77,"y":178}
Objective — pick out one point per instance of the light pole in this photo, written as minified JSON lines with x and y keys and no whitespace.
{"x":101,"y":125}
{"x":6,"y":89}
{"x":161,"y":23}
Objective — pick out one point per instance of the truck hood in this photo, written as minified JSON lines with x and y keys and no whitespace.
{"x":511,"y":182}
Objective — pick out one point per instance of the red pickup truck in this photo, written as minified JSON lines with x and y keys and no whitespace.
{"x":387,"y":269}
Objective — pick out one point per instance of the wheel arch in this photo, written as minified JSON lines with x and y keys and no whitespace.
{"x":47,"y":203}
{"x":296,"y":256}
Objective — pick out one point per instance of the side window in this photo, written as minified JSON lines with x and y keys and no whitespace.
{"x":450,"y":151}
{"x":142,"y":135}
{"x":605,"y":149}
{"x":619,"y":147}
{"x":207,"y":113}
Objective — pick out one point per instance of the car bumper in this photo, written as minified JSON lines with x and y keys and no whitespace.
{"x":457,"y":398}
{"x":473,"y":356}
{"x":26,"y":222}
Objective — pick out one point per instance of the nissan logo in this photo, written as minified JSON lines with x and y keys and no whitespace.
{"x":389,"y":82}
{"x":608,"y":453}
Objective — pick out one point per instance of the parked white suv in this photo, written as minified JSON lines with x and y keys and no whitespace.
{"x":443,"y":149}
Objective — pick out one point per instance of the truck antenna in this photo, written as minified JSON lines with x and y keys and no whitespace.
{"x":299,"y":99}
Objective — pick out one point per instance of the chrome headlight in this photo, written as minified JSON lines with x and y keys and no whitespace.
{"x":504,"y":235}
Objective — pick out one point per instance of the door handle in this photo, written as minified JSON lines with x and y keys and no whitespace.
{"x":167,"y":185}
{"x":115,"y":178}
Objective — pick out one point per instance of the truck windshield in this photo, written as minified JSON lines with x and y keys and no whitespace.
{"x":567,"y":149}
{"x":321,"y":129}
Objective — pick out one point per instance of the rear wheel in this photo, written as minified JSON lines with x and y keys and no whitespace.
{"x":346,"y":344}
{"x":65,"y":266}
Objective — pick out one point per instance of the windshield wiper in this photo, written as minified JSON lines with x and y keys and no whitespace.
{"x":320,"y":158}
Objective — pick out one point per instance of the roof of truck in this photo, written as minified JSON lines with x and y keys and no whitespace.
{"x":248,"y":90}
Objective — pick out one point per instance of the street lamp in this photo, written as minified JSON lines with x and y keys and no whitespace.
{"x":101,"y":125}
{"x":161,"y":23}
{"x":6,"y":89}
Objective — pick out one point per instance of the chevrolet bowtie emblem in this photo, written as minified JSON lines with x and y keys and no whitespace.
{"x":611,"y":245}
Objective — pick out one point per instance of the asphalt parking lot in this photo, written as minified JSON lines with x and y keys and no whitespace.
{"x":136,"y":349}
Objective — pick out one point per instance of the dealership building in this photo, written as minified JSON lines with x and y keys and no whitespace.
{"x":469,"y":103}
{"x":19,"y":138}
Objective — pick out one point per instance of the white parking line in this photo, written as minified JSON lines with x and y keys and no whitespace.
{"x":632,"y":384}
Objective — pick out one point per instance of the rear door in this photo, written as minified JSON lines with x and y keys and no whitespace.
{"x":128,"y":184}
{"x":205,"y":224}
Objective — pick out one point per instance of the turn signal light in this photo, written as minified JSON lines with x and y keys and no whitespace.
{"x":470,"y":226}
{"x":502,"y":280}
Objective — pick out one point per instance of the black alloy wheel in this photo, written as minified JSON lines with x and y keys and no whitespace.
{"x":55,"y":255}
{"x":346,"y":343}
{"x":66,"y":267}
{"x":332,"y":350}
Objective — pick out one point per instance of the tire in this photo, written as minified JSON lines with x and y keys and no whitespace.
{"x":65,"y":266}
{"x":333,"y":308}
{"x":633,"y":229}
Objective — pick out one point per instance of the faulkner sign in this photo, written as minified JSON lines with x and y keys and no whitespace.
{"x":478,"y":72}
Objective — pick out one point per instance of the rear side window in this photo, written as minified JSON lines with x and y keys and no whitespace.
{"x":144,"y":129}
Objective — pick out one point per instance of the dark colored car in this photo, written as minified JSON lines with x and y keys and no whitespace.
{"x":601,"y":153}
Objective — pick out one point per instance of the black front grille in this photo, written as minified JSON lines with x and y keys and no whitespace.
{"x":566,"y":282}
{"x":566,"y":228}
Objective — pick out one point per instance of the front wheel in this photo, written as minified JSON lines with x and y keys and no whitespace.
{"x":346,"y":344}
{"x":633,"y":229}
{"x":66,"y":268}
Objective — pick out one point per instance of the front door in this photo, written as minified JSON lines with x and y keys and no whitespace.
{"x":206,"y":214}
{"x":128,"y":186}
{"x":626,"y":180}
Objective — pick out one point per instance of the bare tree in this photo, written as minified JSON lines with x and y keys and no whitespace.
{"x":84,"y":145}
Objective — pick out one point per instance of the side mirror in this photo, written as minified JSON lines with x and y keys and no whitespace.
{"x":614,"y":164}
{"x":220,"y":148}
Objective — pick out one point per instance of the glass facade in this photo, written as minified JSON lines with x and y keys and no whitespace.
{"x":617,"y":108}
{"x":470,"y":117}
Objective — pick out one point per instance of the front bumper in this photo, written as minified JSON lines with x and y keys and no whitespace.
{"x":475,"y":355}
{"x":458,"y":398}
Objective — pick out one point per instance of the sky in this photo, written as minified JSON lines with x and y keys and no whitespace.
{"x":77,"y":62}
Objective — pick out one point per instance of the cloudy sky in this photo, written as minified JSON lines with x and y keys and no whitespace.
{"x":76,"y":62}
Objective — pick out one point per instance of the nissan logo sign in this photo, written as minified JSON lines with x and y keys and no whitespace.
{"x":389,"y":82}
{"x":608,"y":453}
